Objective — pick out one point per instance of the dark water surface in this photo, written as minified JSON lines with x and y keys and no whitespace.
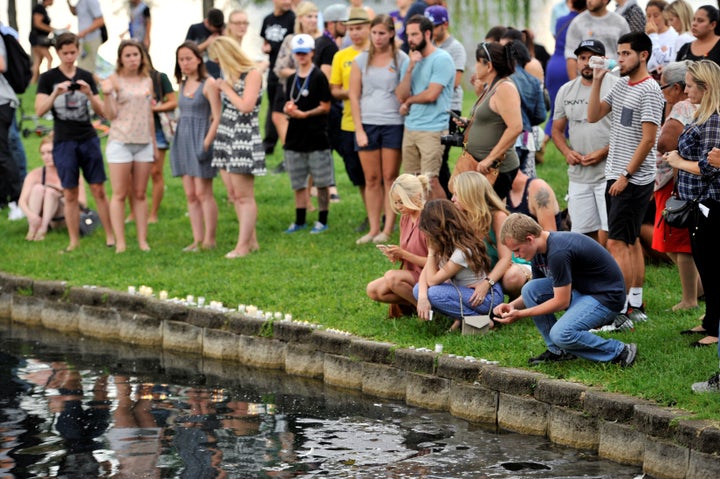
{"x":77,"y":408}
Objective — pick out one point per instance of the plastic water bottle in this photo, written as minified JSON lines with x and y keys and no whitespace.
{"x":600,"y":62}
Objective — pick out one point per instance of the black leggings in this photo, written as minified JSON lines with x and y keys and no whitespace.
{"x":707,"y":259}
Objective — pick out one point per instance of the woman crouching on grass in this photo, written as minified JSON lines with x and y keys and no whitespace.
{"x":407,"y":198}
{"x":456,"y":261}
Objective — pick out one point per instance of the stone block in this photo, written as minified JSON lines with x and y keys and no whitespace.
{"x":5,"y":305}
{"x":428,"y":391}
{"x":61,"y":316}
{"x":665,"y":460}
{"x":656,"y":421}
{"x":50,"y":290}
{"x":303,"y":360}
{"x":342,"y":371}
{"x":238,"y":323}
{"x":510,"y":381}
{"x":383,"y":381}
{"x":621,"y":443}
{"x":101,"y":323}
{"x":89,"y":296}
{"x":473,"y":403}
{"x":458,"y":368}
{"x":182,"y":337}
{"x":573,"y":428}
{"x":140,"y":329}
{"x":261,"y":352}
{"x":291,"y":331}
{"x":330,"y":342}
{"x":371,"y":351}
{"x":206,"y":318}
{"x":27,"y":309}
{"x":611,"y":406}
{"x":412,"y":360}
{"x":560,"y":393}
{"x":220,"y":345}
{"x":123,"y":301}
{"x":522,"y":415}
{"x":703,"y":466}
{"x":166,"y":311}
{"x":12,"y":284}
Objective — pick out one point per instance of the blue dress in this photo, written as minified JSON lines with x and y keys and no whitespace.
{"x":187,"y":154}
{"x":556,"y":74}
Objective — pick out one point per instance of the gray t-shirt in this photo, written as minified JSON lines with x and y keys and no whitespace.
{"x":87,"y":12}
{"x":607,"y":29}
{"x":378,"y":103}
{"x":632,"y":105}
{"x":571,"y":103}
{"x":459,"y":57}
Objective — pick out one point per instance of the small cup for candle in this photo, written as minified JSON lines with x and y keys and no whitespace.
{"x":241,"y":308}
{"x":260,"y":313}
{"x":201,"y":300}
{"x":131,"y":289}
{"x":190,"y":298}
{"x":438,"y":348}
{"x":163,"y":295}
{"x":278,"y":315}
{"x":288,"y":317}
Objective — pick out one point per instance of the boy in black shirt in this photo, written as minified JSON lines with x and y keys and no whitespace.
{"x":307,"y":148}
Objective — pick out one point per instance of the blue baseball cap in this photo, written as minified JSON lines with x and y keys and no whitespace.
{"x":437,"y":14}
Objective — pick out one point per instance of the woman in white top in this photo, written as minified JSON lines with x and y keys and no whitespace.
{"x":663,"y":37}
{"x":374,"y":75}
{"x":131,"y":147}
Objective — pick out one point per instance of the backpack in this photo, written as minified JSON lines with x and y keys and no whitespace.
{"x":19,"y":65}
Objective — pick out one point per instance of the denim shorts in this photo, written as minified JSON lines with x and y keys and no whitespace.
{"x":382,"y":136}
{"x":160,"y":139}
{"x":71,"y":156}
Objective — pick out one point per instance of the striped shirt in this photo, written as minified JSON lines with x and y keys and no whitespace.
{"x":694,"y":144}
{"x":632,"y":105}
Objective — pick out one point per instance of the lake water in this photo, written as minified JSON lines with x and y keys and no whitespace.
{"x":78,"y":408}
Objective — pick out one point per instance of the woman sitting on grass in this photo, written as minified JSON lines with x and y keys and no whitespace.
{"x":456,"y":261}
{"x":407,"y":198}
{"x":486,"y":212}
{"x":41,"y":198}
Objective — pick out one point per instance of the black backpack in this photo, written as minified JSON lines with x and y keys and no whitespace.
{"x":19,"y":66}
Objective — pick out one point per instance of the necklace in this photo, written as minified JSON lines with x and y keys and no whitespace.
{"x":302,"y":89}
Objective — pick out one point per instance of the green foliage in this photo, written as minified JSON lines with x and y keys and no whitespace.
{"x":322,"y":279}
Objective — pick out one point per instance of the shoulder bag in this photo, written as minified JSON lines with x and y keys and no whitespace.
{"x":680,"y":213}
{"x":477,"y":323}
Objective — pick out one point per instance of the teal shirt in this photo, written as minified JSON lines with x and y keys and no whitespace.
{"x":436,"y":68}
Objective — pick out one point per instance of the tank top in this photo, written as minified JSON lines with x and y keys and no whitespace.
{"x":486,"y":129}
{"x":132,"y":123}
{"x":524,"y":208}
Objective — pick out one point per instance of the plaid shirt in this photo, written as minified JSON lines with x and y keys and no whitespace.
{"x":694,"y":144}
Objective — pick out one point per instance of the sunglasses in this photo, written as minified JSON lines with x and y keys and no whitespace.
{"x":671,"y":84}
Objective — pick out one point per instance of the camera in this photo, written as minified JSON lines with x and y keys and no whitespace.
{"x":454,"y":139}
{"x":74,"y":86}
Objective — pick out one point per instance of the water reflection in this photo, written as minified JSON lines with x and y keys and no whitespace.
{"x":71,"y":409}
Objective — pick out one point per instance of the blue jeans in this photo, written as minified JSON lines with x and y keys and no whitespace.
{"x":571,"y":333}
{"x":444,"y":299}
{"x":17,"y":150}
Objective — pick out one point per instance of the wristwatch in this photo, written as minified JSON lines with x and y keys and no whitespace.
{"x":490,"y":280}
{"x":627,"y":174}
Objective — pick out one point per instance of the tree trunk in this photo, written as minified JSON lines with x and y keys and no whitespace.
{"x":12,"y":14}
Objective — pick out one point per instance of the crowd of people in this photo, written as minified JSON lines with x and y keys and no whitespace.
{"x":634,"y":102}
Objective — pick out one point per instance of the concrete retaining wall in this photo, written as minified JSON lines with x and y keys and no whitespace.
{"x":667,"y":443}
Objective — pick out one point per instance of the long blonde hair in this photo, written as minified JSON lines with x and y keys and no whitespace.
{"x":478,"y":200}
{"x":411,"y":190}
{"x":229,"y":55}
{"x":706,"y":73}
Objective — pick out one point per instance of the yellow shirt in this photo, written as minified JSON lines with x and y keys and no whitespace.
{"x":340,"y":75}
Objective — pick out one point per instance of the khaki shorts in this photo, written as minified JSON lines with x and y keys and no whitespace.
{"x":88,"y":54}
{"x":422,"y":152}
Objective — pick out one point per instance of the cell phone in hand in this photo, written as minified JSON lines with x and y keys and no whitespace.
{"x":457,"y":117}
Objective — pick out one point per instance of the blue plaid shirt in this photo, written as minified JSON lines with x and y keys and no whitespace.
{"x":694,"y":144}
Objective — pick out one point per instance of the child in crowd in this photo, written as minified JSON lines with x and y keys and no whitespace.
{"x":307,"y":147}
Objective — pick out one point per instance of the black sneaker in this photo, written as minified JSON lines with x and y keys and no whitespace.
{"x":549,"y":357}
{"x":626,"y":358}
{"x":712,"y":385}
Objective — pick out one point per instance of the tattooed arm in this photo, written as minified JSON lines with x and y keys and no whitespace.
{"x":543,"y":204}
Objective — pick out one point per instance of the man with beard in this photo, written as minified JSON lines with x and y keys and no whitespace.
{"x":588,"y":145}
{"x":636,"y":106}
{"x":424,"y":92}
{"x":598,"y":23}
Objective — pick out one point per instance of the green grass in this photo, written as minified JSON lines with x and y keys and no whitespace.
{"x":322,"y":279}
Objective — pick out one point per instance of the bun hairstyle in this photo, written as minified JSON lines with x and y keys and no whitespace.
{"x":411,"y":190}
{"x":501,"y":57}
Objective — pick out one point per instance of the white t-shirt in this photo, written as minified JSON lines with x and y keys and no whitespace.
{"x":663,"y":51}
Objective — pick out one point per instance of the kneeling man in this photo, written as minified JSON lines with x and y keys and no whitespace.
{"x":571,"y":273}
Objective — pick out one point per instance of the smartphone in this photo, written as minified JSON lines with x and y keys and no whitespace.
{"x":457,"y":117}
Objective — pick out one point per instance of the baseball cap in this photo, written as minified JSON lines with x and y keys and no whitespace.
{"x":437,"y":14}
{"x":302,"y":43}
{"x":594,"y":46}
{"x":357,"y":16}
{"x":337,"y":12}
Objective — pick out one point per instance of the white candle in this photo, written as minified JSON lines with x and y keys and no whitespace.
{"x":278,"y":315}
{"x":288,"y":317}
{"x":131,"y":289}
{"x":163,"y":295}
{"x":201,"y":300}
{"x":241,"y":308}
{"x":438,"y":348}
{"x":190,"y":298}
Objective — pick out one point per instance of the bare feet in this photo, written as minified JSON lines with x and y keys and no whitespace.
{"x":144,"y":247}
{"x":120,"y":248}
{"x":209,"y":246}
{"x":39,"y":236}
{"x":683,"y":306}
{"x":192,"y":248}
{"x":30,"y":236}
{"x":152,"y":220}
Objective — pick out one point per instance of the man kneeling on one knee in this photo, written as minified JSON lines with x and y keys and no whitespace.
{"x":571,"y":273}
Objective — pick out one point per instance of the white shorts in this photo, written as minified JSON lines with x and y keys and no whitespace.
{"x":117,"y":152}
{"x":586,"y":205}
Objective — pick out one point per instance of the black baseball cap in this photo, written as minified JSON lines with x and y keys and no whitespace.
{"x":591,"y":45}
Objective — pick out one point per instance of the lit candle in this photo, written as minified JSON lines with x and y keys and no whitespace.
{"x":201,"y":300}
{"x":288,"y":317}
{"x":278,"y":315}
{"x":163,"y":295}
{"x":190,"y":298}
{"x":131,"y":289}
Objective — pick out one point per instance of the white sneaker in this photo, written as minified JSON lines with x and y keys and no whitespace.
{"x":15,"y":212}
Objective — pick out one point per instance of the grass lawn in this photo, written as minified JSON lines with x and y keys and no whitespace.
{"x":322,"y":278}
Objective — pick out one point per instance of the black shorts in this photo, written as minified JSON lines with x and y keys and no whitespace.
{"x":626,"y":211}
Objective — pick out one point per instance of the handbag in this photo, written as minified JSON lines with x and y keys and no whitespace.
{"x":476,"y":323}
{"x":680,"y":213}
{"x":168,"y":123}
